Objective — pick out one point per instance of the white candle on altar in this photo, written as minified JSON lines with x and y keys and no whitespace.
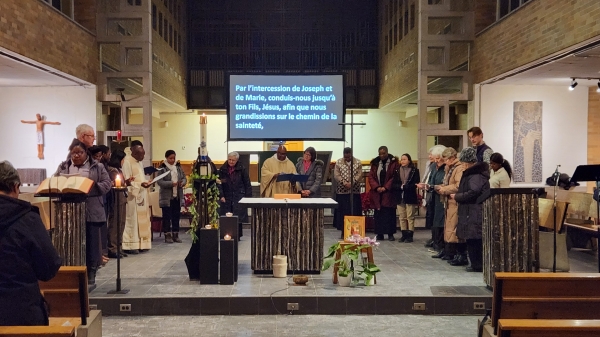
{"x":118,"y":181}
{"x":227,"y":237}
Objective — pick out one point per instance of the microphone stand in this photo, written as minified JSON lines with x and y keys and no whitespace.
{"x":556,"y":176}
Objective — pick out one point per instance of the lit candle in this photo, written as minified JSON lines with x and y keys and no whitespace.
{"x":118,"y":181}
{"x":227,"y":237}
{"x":119,"y":136}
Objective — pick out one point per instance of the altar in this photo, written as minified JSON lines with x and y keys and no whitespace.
{"x":291,"y":227}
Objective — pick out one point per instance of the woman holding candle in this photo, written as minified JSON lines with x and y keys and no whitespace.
{"x":170,"y":197}
{"x":118,"y":201}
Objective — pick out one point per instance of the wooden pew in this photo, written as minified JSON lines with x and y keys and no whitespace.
{"x":67,"y":293}
{"x":545,"y":296}
{"x":38,"y":331}
{"x":548,"y":328}
{"x":68,"y":305}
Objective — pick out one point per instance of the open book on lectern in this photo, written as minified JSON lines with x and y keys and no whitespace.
{"x":294,"y":178}
{"x":65,"y":185}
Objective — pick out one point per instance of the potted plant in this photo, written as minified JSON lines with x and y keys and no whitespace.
{"x":367,"y":269}
{"x":349,"y":254}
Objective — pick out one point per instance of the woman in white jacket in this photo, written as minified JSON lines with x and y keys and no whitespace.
{"x":501,"y":172}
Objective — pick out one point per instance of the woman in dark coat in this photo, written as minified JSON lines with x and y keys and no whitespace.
{"x":26,"y":255}
{"x":381,"y":177}
{"x":95,"y":217}
{"x":473,"y":189}
{"x":406,"y":179}
{"x":235,"y":182}
{"x":313,"y":167}
{"x":435,"y":208}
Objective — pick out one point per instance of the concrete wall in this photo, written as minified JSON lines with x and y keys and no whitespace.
{"x":535,"y":30}
{"x":70,"y":106}
{"x":564,"y":123}
{"x":168,"y":66}
{"x":36,"y":30}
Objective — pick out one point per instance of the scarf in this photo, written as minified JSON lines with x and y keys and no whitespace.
{"x":382,"y":170}
{"x":404,"y":172}
{"x":174,"y":176}
{"x":306,"y":166}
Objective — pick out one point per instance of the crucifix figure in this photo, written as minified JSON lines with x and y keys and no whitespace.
{"x":39,"y":124}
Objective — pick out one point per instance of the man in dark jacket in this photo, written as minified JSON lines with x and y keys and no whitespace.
{"x":235,"y":182}
{"x":26,"y":255}
{"x":473,"y":189}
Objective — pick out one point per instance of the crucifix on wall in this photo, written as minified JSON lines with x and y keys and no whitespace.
{"x":39,"y":124}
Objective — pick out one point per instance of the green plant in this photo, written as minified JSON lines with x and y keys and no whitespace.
{"x":369,"y":270}
{"x":348,"y":256}
{"x":212,"y":198}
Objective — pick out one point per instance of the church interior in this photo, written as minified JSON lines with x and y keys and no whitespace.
{"x":154,"y":79}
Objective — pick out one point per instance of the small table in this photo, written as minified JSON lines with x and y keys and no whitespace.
{"x":338,"y":255}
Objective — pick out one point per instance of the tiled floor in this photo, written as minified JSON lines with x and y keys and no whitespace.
{"x":296,"y":326}
{"x":407,"y":270}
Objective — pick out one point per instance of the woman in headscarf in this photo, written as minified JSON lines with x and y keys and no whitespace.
{"x":473,"y":189}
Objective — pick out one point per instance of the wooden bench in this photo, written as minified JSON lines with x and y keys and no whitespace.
{"x":545,"y":296}
{"x":548,"y":328}
{"x":68,"y":307}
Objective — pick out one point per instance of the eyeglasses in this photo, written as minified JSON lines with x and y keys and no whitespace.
{"x":92,"y":136}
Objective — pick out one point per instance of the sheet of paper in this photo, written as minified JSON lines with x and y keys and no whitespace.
{"x":160,"y":177}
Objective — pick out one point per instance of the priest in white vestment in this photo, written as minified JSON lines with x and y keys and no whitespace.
{"x":138,"y":234}
{"x":271,"y":169}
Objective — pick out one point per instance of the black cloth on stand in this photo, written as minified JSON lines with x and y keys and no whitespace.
{"x":343,"y":209}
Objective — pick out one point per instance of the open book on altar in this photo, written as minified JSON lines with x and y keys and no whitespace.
{"x":65,"y":184}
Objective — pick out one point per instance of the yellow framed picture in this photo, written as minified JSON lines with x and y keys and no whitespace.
{"x":354,"y":225}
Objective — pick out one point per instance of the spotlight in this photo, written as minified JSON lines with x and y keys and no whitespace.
{"x":573,"y":85}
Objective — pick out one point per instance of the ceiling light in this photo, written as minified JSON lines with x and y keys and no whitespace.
{"x":573,"y":85}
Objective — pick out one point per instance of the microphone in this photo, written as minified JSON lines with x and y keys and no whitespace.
{"x":556,"y":173}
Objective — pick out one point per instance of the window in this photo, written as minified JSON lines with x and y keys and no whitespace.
{"x":400,"y":35}
{"x":412,"y":16}
{"x":179,"y":44}
{"x":154,"y":17}
{"x":507,"y":6}
{"x":386,"y":45}
{"x":160,"y":26}
{"x":385,"y":13}
{"x":395,"y":34}
{"x":390,"y":44}
{"x":170,"y":35}
{"x":175,"y":45}
{"x":166,"y":29}
{"x":406,"y":21}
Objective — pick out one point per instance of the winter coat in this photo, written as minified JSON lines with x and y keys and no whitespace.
{"x":385,"y":199}
{"x":451,"y":206}
{"x":406,"y":194}
{"x":437,"y":178}
{"x":26,"y":257}
{"x":237,"y":185}
{"x":474,"y":188}
{"x":166,"y":186}
{"x":315,"y":177}
{"x":94,"y":204}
